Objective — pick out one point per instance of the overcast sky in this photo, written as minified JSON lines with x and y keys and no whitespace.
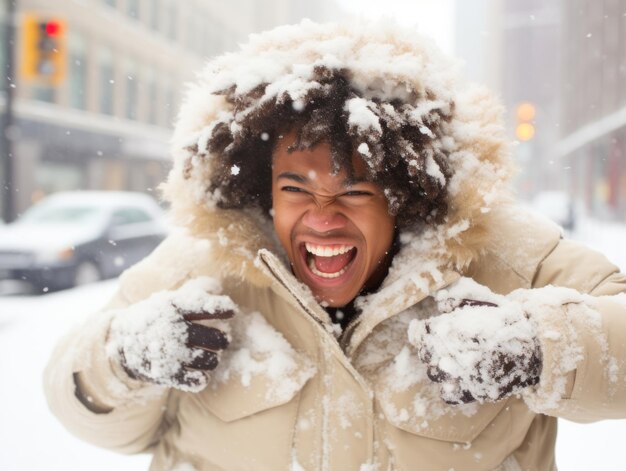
{"x":434,"y":18}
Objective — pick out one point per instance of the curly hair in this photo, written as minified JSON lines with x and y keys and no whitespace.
{"x":400,"y":140}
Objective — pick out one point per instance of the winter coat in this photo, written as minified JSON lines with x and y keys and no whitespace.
{"x":352,"y":400}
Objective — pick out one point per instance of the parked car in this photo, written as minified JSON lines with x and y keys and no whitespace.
{"x":73,"y":238}
{"x":558,"y":206}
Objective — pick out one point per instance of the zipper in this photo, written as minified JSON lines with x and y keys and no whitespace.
{"x":344,"y":338}
{"x":280,"y":274}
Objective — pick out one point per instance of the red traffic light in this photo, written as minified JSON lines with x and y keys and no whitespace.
{"x":44,"y":50}
{"x":53,"y":28}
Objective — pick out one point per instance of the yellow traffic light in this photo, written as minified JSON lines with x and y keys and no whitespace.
{"x":525,"y":129}
{"x":44,"y":50}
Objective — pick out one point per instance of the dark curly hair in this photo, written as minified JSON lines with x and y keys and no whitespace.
{"x":404,"y":153}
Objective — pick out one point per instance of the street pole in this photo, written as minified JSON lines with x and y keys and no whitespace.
{"x":7,"y":191}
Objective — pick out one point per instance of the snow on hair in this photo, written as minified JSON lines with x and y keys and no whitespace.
{"x":399,"y":140}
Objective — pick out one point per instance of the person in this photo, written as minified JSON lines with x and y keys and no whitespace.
{"x":352,"y":285}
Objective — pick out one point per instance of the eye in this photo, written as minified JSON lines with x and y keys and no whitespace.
{"x":292,"y":189}
{"x":357,"y":193}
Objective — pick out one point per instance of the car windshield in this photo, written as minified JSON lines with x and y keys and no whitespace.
{"x":61,"y":214}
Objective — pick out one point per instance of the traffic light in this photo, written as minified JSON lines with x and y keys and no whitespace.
{"x":525,"y":128}
{"x":44,"y":51}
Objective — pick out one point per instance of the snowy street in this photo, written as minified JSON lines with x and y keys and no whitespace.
{"x":32,"y":439}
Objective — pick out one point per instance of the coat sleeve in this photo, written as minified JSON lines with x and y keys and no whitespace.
{"x":91,"y":395}
{"x":582,"y":337}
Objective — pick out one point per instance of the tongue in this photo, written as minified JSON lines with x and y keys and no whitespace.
{"x":333,"y":264}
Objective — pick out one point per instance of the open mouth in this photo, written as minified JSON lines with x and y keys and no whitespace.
{"x":329,"y":261}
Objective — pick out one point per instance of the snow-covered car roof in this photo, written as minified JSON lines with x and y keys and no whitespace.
{"x":104,"y":199}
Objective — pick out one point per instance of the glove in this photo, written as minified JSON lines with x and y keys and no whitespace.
{"x":160,"y":341}
{"x":477,"y":350}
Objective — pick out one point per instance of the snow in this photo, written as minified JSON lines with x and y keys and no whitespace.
{"x":295,"y":466}
{"x":258,"y":349}
{"x":364,"y":149}
{"x":150,"y":337}
{"x":291,"y":64}
{"x":606,"y":237}
{"x":404,"y":372}
{"x":433,"y":169}
{"x":361,"y":116}
{"x":31,"y":438}
{"x":461,"y":343}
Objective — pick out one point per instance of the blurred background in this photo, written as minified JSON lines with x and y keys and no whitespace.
{"x":91,"y":87}
{"x":88,"y":95}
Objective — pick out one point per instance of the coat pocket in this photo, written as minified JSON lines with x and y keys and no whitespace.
{"x":258,"y":371}
{"x":246,"y":417}
{"x":419,"y":427}
{"x":419,"y":410}
{"x":235,"y":399}
{"x":238,"y":426}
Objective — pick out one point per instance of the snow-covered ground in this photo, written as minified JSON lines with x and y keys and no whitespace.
{"x":32,"y":439}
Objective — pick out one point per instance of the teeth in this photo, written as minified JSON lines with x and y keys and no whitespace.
{"x":326,"y":275}
{"x":326,"y":250}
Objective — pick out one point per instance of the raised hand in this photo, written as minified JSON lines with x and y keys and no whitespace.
{"x":160,"y":341}
{"x":481,"y":350}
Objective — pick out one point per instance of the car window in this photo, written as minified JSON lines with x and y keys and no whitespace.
{"x":51,"y":214}
{"x":130,"y":216}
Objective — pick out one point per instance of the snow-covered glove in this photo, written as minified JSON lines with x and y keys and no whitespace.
{"x":482,"y":349}
{"x":160,"y":341}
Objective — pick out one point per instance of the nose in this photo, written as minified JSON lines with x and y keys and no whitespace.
{"x":324,"y":218}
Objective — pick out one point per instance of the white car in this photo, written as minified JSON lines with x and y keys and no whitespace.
{"x":73,"y":238}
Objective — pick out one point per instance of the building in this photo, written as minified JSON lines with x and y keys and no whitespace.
{"x":512,"y":47}
{"x":592,"y":144}
{"x":530,"y":65}
{"x":107,"y":122}
{"x":560,"y":68}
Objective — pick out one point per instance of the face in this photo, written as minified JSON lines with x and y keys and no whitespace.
{"x":337,"y":233}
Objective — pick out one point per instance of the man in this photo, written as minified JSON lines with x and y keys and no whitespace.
{"x":353,"y":288}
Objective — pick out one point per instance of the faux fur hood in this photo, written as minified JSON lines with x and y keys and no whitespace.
{"x":385,"y":62}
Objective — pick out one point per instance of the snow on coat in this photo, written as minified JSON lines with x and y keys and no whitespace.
{"x":360,"y":401}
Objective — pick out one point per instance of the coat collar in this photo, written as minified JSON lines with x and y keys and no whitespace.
{"x":390,"y":300}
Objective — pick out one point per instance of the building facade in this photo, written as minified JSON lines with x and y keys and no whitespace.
{"x":530,"y":74}
{"x":593,"y":105}
{"x":106,"y":124}
{"x":560,"y":68}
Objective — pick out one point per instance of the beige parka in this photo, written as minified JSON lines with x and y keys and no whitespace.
{"x":352,"y":402}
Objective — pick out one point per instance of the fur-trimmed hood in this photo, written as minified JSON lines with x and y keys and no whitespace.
{"x":385,"y":62}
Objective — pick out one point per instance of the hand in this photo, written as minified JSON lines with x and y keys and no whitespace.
{"x":159,"y":340}
{"x":477,"y":350}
